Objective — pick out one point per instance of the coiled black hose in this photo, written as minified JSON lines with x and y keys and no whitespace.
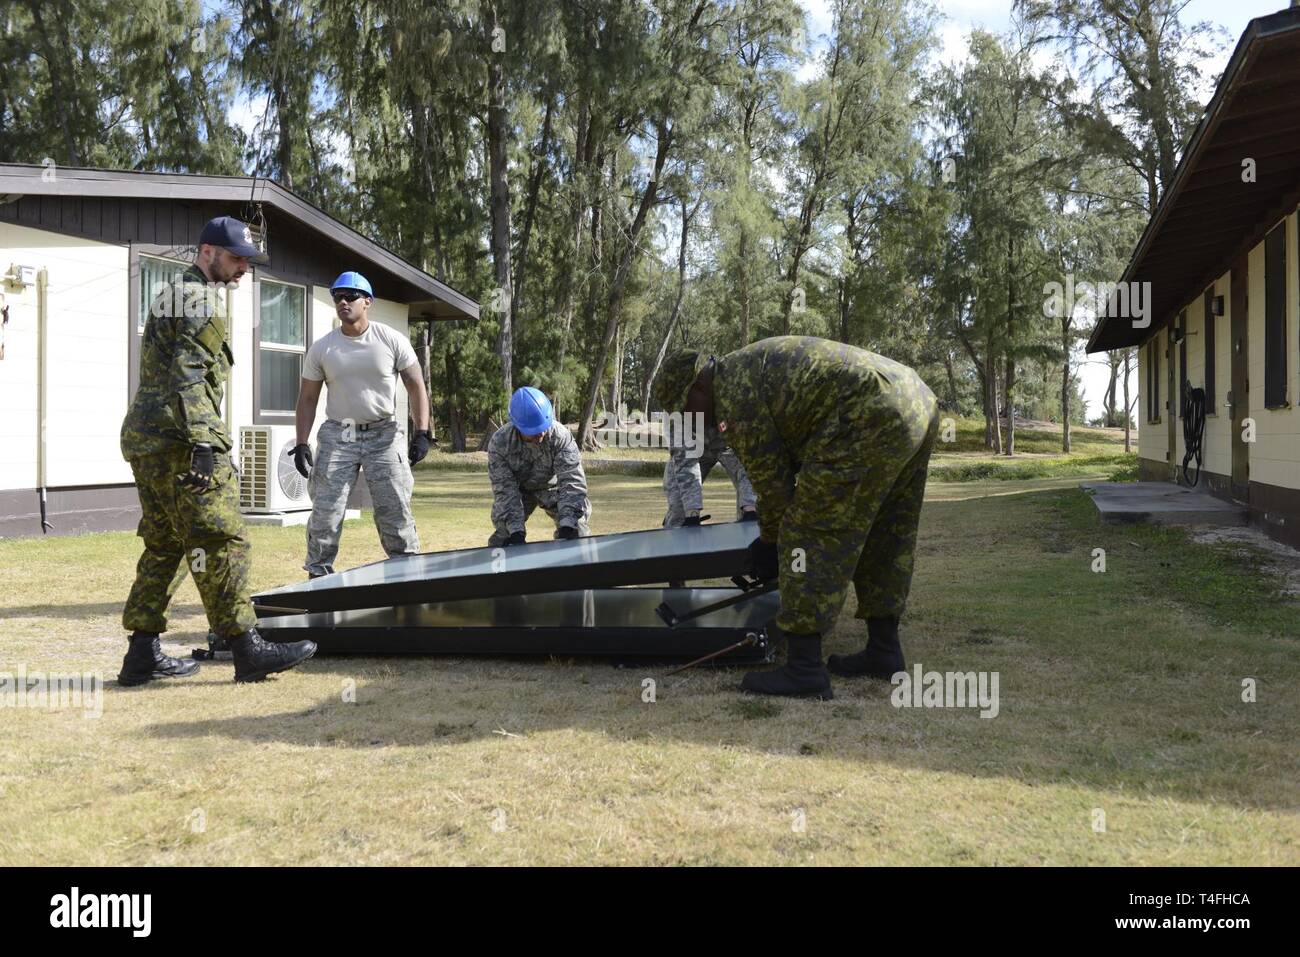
{"x":1193,"y":415}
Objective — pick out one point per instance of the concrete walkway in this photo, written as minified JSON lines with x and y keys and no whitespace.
{"x":1162,"y":503}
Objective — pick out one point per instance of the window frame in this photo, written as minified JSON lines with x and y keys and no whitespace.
{"x":180,"y":256}
{"x":276,"y":417}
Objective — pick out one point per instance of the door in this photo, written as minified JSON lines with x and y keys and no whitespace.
{"x":1238,"y":403}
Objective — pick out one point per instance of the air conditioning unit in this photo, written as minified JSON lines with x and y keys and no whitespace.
{"x":268,"y":481}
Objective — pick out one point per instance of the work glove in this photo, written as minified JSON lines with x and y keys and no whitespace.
{"x":199,"y":477}
{"x":567,"y":533}
{"x":694,"y":521}
{"x":516,"y":538}
{"x":749,"y":515}
{"x":302,"y":459}
{"x":762,"y":560}
{"x":419,"y":445}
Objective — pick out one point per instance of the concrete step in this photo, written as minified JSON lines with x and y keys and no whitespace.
{"x":1162,"y":503}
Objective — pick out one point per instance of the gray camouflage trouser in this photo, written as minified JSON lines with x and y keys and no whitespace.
{"x":548,"y":500}
{"x":341,"y":453}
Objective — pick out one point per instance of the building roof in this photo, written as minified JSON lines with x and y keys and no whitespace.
{"x":427,"y":296}
{"x":1209,"y":215}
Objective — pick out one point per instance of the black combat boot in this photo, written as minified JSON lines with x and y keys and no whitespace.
{"x":256,"y":658}
{"x":145,"y":661}
{"x":803,"y":674}
{"x":882,"y":658}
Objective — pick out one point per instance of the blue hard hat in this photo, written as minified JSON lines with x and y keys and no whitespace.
{"x":353,"y":280}
{"x":530,"y":411}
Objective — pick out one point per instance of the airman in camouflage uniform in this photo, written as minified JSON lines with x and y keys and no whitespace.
{"x":178,"y":446}
{"x":686,"y":470}
{"x":546,"y":472}
{"x":856,"y":429}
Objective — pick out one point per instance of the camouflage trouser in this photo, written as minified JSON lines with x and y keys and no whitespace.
{"x":342,"y":453}
{"x":548,"y":500}
{"x":185,"y":530}
{"x":676,"y":513}
{"x":855,"y":512}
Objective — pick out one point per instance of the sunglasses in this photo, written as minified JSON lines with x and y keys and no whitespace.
{"x":350,"y":295}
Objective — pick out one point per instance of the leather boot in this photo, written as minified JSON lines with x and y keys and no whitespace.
{"x":882,"y":658}
{"x":146,"y":662}
{"x":256,"y":658}
{"x":802,"y":675}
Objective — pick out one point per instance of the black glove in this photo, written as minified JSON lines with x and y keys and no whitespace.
{"x":749,"y":515}
{"x":301,"y":455}
{"x":516,"y":538}
{"x":762,"y":560}
{"x":419,"y":445}
{"x":695,"y":520}
{"x":199,"y":477}
{"x":567,"y":533}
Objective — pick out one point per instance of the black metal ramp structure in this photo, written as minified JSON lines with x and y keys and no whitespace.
{"x":544,"y":598}
{"x":606,"y":622}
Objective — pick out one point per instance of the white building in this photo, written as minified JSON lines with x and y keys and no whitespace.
{"x":80,"y":252}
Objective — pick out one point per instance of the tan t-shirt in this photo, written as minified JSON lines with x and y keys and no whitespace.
{"x":360,"y":373}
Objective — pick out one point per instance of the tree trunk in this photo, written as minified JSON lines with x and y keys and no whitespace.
{"x":744,"y":287}
{"x":677,"y":302}
{"x":498,"y":131}
{"x":1065,"y":385}
{"x":614,"y":303}
{"x":1128,"y":439}
{"x":530,"y":206}
{"x":455,"y":414}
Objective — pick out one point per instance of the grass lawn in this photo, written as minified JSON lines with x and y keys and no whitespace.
{"x":1120,"y":693}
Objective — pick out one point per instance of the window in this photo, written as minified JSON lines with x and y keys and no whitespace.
{"x":282,"y":343}
{"x":1209,"y":351}
{"x":1275,"y":318}
{"x":155,"y":274}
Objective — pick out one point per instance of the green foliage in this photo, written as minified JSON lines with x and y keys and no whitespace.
{"x":841,"y":185}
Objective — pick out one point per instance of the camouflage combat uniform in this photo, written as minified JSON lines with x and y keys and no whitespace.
{"x":525,"y":475}
{"x":184,"y":362}
{"x":857,"y":429}
{"x":685,"y":473}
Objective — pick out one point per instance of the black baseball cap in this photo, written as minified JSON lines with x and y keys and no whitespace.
{"x":232,"y":235}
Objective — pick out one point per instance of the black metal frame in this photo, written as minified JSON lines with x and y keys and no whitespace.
{"x":661,"y":564}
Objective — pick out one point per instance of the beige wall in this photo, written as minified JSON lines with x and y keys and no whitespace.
{"x":1275,"y":455}
{"x":86,"y":338}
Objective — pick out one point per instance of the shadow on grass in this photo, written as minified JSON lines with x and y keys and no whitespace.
{"x":87,"y":610}
{"x":1128,"y":679}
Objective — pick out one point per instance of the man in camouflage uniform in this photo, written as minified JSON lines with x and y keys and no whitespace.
{"x":856,"y":429}
{"x":179,"y":449}
{"x":686,"y":470}
{"x":532,"y":461}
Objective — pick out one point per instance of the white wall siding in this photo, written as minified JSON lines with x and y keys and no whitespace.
{"x":86,"y":338}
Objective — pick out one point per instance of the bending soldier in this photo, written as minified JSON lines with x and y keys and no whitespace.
{"x":856,"y":429}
